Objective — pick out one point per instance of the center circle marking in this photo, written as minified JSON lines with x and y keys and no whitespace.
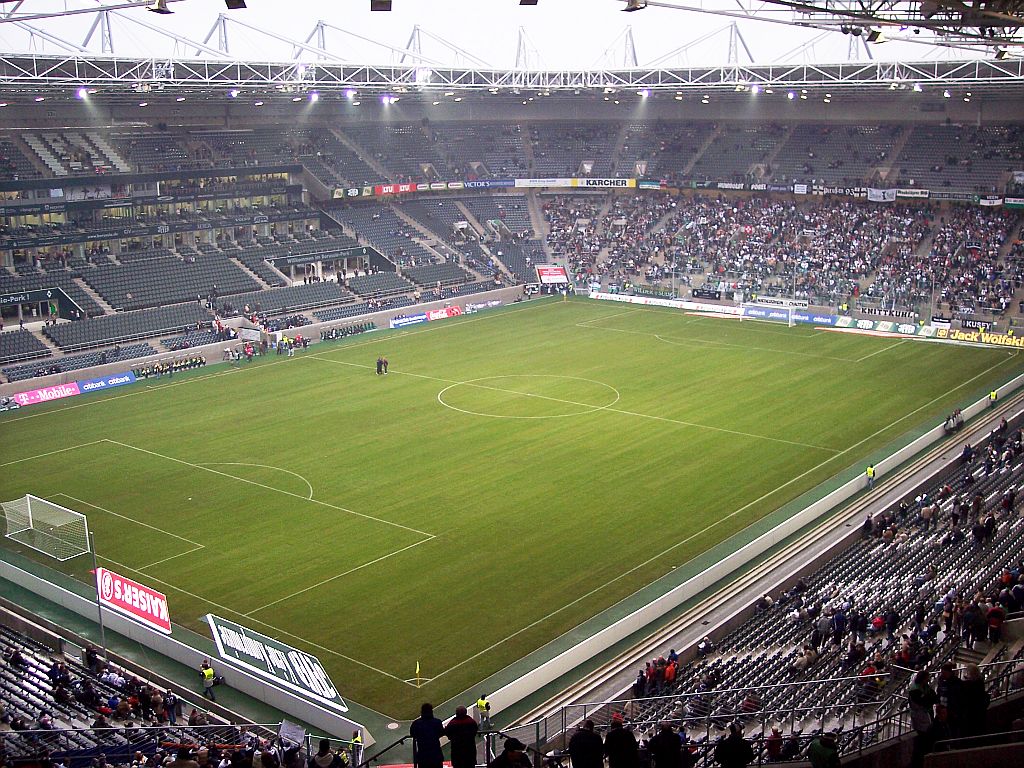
{"x":471,"y":382}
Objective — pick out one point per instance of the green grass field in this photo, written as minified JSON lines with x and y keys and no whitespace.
{"x":516,"y":473}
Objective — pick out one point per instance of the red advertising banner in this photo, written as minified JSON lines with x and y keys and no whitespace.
{"x":443,"y":313}
{"x":134,"y":600}
{"x":550,"y":275}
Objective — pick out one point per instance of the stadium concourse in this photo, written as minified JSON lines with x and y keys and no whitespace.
{"x":169,"y":245}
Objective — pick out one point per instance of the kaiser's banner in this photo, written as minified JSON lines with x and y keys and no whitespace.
{"x":134,"y":600}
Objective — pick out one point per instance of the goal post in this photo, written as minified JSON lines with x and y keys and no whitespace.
{"x":769,"y":313}
{"x":49,"y":528}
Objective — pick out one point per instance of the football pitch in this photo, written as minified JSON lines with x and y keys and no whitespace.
{"x":514,"y":474}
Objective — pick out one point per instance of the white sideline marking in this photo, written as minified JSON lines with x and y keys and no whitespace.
{"x":309,"y":485}
{"x":50,"y":453}
{"x":714,"y":524}
{"x":338,"y":576}
{"x":129,"y":519}
{"x":593,"y":407}
{"x":271,"y":488}
{"x":233,"y":612}
{"x":879,"y":351}
{"x":172,"y":557}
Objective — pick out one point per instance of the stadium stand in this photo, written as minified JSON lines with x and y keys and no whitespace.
{"x":975,"y":159}
{"x":69,"y":363}
{"x":481,"y":151}
{"x":20,"y":345}
{"x":572,"y":149}
{"x":402,"y":148}
{"x":288,"y":299}
{"x":445,"y":274}
{"x":14,"y":166}
{"x":379,"y":285}
{"x":166,"y":280}
{"x":126,"y":326}
{"x":380,"y":226}
{"x":735,"y":149}
{"x":833,"y":154}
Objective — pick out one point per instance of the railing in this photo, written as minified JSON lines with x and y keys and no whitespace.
{"x":860,"y":723}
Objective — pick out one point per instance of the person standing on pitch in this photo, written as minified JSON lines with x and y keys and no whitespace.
{"x":380,"y":365}
{"x":461,"y":732}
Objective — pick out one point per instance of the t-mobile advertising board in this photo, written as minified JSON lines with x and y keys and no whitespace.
{"x":137,"y":601}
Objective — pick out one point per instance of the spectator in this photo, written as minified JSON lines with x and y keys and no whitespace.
{"x":974,"y":701}
{"x":823,"y":752}
{"x":513,"y":755}
{"x":734,"y":751}
{"x":426,"y":732}
{"x":461,"y":731}
{"x":665,"y":747}
{"x":620,"y":746}
{"x":586,"y":749}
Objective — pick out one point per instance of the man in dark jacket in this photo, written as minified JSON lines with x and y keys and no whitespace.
{"x":325,"y":758}
{"x":734,"y":751}
{"x":426,"y":732}
{"x":665,"y":747}
{"x":586,"y":748}
{"x":461,"y":732}
{"x":620,"y":746}
{"x":512,"y":756}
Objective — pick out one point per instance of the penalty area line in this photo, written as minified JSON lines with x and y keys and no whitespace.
{"x":271,"y":488}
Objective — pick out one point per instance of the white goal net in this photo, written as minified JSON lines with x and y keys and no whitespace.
{"x":56,"y":531}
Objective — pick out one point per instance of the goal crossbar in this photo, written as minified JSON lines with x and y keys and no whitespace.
{"x":46,"y":527}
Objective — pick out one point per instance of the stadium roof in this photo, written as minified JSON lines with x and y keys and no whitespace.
{"x":501,"y":34}
{"x":116,"y":49}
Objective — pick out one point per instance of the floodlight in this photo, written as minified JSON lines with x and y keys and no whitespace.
{"x":233,"y":93}
{"x":380,"y":5}
{"x":160,"y":6}
{"x":234,"y":5}
{"x":876,"y":36}
{"x":635,"y":5}
{"x":314,"y":96}
{"x":81,"y":93}
{"x":527,"y":2}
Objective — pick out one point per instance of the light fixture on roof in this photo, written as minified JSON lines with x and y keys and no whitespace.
{"x":314,"y":96}
{"x":350,"y":93}
{"x":143,"y":103}
{"x":296,"y":98}
{"x":678,"y":97}
{"x":643,"y":93}
{"x":81,"y":93}
{"x":160,"y":6}
{"x":40,"y":98}
{"x":435,"y":103}
{"x":791,"y":95}
{"x":259,"y":103}
{"x":527,"y":2}
{"x":946,"y":94}
{"x":380,"y":5}
{"x":876,"y":36}
{"x":234,"y":5}
{"x":755,"y":88}
{"x":635,"y":5}
{"x":917,"y":88}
